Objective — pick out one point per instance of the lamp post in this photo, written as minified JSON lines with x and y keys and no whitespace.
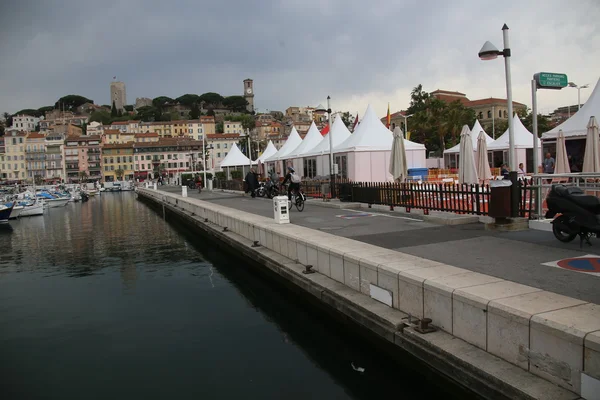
{"x":204,"y":159}
{"x":490,"y":52}
{"x":331,"y":164}
{"x":406,"y":117}
{"x":573,"y":85}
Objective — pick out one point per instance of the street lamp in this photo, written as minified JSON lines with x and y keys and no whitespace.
{"x":573,"y":85}
{"x":331,"y":172}
{"x":490,"y":52}
{"x":406,"y":117}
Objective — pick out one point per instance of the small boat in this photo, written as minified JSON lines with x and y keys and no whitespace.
{"x":5,"y":213}
{"x":31,"y":209}
{"x":16,"y":212}
{"x":57,"y":202}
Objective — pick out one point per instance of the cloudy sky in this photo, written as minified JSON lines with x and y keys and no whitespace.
{"x":297,"y":51}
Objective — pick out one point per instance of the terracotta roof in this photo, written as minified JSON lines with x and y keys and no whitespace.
{"x":112,"y":131}
{"x":119,"y":145}
{"x":222,"y":136}
{"x":35,"y":135}
{"x":83,"y":138}
{"x":170,"y":142}
{"x":490,"y":101}
{"x":447,"y":92}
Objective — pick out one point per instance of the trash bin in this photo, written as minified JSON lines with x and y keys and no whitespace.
{"x":325,"y":190}
{"x":281,"y":210}
{"x":209,"y":184}
{"x":345,"y":192}
{"x":499,"y":206}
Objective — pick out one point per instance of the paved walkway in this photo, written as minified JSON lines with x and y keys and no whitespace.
{"x":515,"y":256}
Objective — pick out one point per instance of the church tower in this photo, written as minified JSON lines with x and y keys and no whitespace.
{"x":249,"y":94}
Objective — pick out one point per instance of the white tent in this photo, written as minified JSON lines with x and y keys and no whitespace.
{"x":311,"y":140}
{"x":576,"y":126}
{"x":523,"y":141}
{"x":474,"y":135}
{"x":340,"y":133}
{"x":235,"y":158}
{"x":290,"y":144}
{"x":366,"y":153}
{"x":320,"y":153}
{"x":269,"y":151}
{"x":522,"y":137}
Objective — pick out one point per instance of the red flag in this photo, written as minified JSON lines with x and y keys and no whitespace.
{"x":355,"y":122}
{"x":389,"y":118}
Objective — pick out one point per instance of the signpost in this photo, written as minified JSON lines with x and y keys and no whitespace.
{"x":542,"y":80}
{"x":550,"y":80}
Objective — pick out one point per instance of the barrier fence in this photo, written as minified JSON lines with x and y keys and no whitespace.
{"x":447,"y":197}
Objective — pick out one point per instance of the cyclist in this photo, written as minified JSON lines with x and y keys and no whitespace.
{"x":294,"y":180}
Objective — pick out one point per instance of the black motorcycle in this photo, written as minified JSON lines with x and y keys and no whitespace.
{"x":271,"y":190}
{"x":577,"y":214}
{"x":262,"y":190}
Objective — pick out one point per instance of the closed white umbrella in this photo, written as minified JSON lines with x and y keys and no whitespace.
{"x":398,"y":167}
{"x":591,"y":157}
{"x":466,"y":165}
{"x":483,"y":164}
{"x":562,"y":161}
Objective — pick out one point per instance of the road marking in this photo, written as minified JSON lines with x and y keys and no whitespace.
{"x":386,"y":215}
{"x":588,"y":264}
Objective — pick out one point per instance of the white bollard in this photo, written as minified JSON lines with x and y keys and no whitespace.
{"x":155,"y":187}
{"x":281,"y":210}
{"x":184,"y":191}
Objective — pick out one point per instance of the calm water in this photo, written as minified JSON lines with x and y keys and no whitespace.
{"x":104,"y":300}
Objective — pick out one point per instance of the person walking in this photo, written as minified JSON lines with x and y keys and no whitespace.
{"x":252,"y":182}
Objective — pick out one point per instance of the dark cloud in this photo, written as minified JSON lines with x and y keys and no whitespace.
{"x":297,"y":51}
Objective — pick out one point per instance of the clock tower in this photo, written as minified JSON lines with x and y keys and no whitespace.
{"x":249,"y":94}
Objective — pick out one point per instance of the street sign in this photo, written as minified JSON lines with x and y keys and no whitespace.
{"x":550,"y":80}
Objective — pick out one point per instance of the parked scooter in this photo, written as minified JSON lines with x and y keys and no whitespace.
{"x":578,"y":214}
{"x":262,"y":190}
{"x":271,"y":189}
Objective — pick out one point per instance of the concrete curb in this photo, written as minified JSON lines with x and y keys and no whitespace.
{"x":349,"y":270}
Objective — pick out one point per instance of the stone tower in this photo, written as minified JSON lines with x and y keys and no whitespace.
{"x":118,"y":95}
{"x":249,"y":94}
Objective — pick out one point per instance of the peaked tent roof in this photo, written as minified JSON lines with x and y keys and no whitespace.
{"x":269,"y":151}
{"x":340,"y":134}
{"x":290,"y":144}
{"x":312,"y":138}
{"x":235,"y":158}
{"x":523,"y":138}
{"x":372,"y":135}
{"x":474,"y":135}
{"x":577,"y":124}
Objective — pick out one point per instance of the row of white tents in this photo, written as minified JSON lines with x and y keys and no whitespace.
{"x":363,"y":155}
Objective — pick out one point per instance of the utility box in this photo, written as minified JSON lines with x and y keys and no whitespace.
{"x":184,"y":191}
{"x":500,"y":199}
{"x":281,"y":209}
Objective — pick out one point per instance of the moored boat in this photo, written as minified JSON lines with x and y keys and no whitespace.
{"x":5,"y":213}
{"x":31,"y":209}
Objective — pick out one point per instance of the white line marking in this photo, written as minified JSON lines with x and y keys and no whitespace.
{"x":384,"y":215}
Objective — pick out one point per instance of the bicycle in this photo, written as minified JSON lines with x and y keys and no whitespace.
{"x":298,"y":199}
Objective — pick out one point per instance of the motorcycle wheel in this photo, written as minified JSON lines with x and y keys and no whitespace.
{"x":261,"y":192}
{"x":564,"y":237}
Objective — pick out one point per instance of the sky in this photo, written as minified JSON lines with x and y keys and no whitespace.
{"x":298,"y":52}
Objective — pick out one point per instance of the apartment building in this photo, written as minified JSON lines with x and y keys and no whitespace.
{"x":117,"y":161}
{"x":35,"y":157}
{"x":146,"y":137}
{"x":14,"y":156}
{"x":83,"y":158}
{"x":220,"y":144}
{"x":24,"y":122}
{"x":232,"y":127}
{"x":112,"y":136}
{"x":165,"y":157}
{"x":55,"y":167}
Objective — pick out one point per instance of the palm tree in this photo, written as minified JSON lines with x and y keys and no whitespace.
{"x":119,"y":172}
{"x":83,"y":176}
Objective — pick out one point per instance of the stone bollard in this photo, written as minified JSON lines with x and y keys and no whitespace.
{"x":184,"y":191}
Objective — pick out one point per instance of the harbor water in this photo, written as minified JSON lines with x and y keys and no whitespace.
{"x":106,"y":300}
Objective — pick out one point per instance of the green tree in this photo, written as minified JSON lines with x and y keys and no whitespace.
{"x":29,"y":111}
{"x":101,"y":116}
{"x":211,"y":98}
{"x":7,"y":119}
{"x":210,"y":112}
{"x":113,"y":110}
{"x":83,"y":176}
{"x":348,"y":119}
{"x":119,"y":173}
{"x":418,"y":100}
{"x":148,"y":114}
{"x":128,"y":107}
{"x":45,"y":109}
{"x":2,"y":128}
{"x":247,"y":120}
{"x":71,"y":102}
{"x":544,"y":123}
{"x":235,"y":103}
{"x":189,"y":100}
{"x":219,"y":127}
{"x":161,"y":101}
{"x":195,"y":112}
